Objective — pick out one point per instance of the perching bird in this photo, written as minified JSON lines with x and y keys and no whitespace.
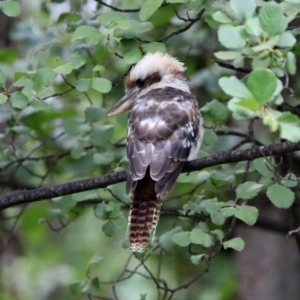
{"x":164,"y":131}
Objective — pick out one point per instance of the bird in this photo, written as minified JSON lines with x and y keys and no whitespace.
{"x":165,"y":129}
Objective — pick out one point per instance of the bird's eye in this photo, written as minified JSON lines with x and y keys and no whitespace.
{"x":140,"y":83}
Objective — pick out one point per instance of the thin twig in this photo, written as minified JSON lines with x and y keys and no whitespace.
{"x":185,"y":28}
{"x":231,"y":67}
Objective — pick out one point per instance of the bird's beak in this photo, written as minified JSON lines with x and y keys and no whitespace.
{"x":124,"y":104}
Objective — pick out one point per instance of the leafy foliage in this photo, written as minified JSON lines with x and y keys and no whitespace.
{"x":64,"y":70}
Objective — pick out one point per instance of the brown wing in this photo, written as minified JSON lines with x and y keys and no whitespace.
{"x":162,"y":130}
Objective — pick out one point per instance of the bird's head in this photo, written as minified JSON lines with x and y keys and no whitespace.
{"x":153,"y":71}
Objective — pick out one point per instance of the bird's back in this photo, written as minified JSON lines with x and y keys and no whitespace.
{"x":162,"y":129}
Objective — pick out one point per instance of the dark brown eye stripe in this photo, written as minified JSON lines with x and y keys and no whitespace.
{"x":151,"y":79}
{"x":143,"y":83}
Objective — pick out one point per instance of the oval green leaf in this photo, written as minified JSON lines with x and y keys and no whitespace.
{"x":280,"y":196}
{"x":149,"y":8}
{"x":262,"y":83}
{"x":101,"y":85}
{"x":272,"y":19}
{"x":237,"y":244}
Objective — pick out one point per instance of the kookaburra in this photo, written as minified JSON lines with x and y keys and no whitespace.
{"x":164,"y":131}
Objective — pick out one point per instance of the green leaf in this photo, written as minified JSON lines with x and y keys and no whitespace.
{"x":195,"y":5}
{"x":3,"y":98}
{"x":248,"y":190}
{"x":200,"y":237}
{"x":101,"y":135}
{"x":216,"y":110}
{"x":277,"y":93}
{"x":101,"y":85}
{"x":83,"y":85}
{"x":218,"y":218}
{"x":143,"y":296}
{"x":102,"y":211}
{"x":110,"y":19}
{"x":243,"y":108}
{"x":8,"y":55}
{"x":258,"y":63}
{"x":149,"y":8}
{"x":228,"y":211}
{"x":262,"y":83}
{"x":237,"y":244}
{"x":95,"y":260}
{"x":165,"y":240}
{"x":253,"y":27}
{"x":290,"y":180}
{"x":2,"y":79}
{"x":103,"y":158}
{"x":211,"y":205}
{"x":280,"y":196}
{"x":77,"y":61}
{"x":291,"y":65}
{"x":154,"y":47}
{"x":72,"y":127}
{"x":133,"y":56}
{"x":39,"y":104}
{"x":231,"y":37}
{"x":218,"y":233}
{"x":43,"y":91}
{"x":182,"y":238}
{"x":18,"y":100}
{"x":227,"y":55}
{"x":109,"y":228}
{"x":289,"y":125}
{"x":89,"y":34}
{"x":264,"y":167}
{"x":94,"y":114}
{"x":177,"y":1}
{"x":219,"y":177}
{"x":76,"y":287}
{"x":44,"y":76}
{"x":64,"y":69}
{"x":245,"y":9}
{"x":247,"y":214}
{"x":221,"y":17}
{"x":239,"y":61}
{"x":286,"y":40}
{"x":123,"y":25}
{"x":135,"y":29}
{"x":196,"y":259}
{"x":27,"y":85}
{"x":78,"y":152}
{"x":98,"y":68}
{"x":234,"y":87}
{"x":272,"y":19}
{"x":92,"y":287}
{"x":120,"y":222}
{"x":11,"y":8}
{"x":209,"y":138}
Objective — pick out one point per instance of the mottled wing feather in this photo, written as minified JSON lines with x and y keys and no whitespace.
{"x":163,"y":126}
{"x":165,"y":183}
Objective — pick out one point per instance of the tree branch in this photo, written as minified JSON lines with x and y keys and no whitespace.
{"x":231,"y":67}
{"x":103,"y":181}
{"x":124,"y":10}
{"x":118,"y":9}
{"x":191,"y":22}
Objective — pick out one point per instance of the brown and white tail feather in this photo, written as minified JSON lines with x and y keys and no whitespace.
{"x":144,"y":214}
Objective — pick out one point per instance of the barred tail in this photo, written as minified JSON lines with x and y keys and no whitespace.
{"x":144,"y":214}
